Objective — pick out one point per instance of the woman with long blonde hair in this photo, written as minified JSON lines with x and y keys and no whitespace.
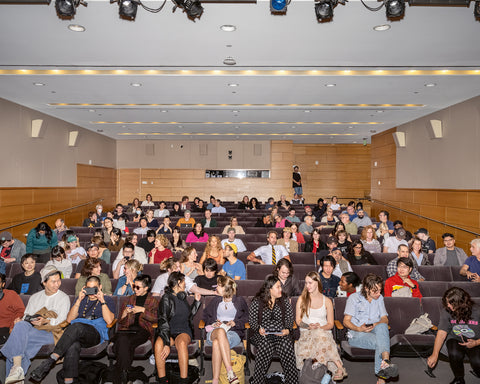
{"x":213,"y":250}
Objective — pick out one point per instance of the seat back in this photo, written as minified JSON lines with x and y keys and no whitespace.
{"x":432,"y":288}
{"x":434,"y":307}
{"x":383,"y":258}
{"x":258,"y":271}
{"x":153,"y":270}
{"x":455,"y":270}
{"x":363,"y":270}
{"x":472,"y":288}
{"x":401,"y":311}
{"x":435,"y":273}
{"x":248,"y":287}
{"x":302,"y":258}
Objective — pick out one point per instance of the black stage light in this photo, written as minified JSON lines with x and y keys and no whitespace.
{"x":476,"y":10}
{"x":193,"y":8}
{"x":127,"y":9}
{"x":66,"y":8}
{"x":395,"y":8}
{"x":324,"y":10}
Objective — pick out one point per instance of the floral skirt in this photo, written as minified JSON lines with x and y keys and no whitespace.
{"x":316,"y":344}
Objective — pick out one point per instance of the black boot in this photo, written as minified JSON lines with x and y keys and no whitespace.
{"x":124,"y":377}
{"x":42,"y":370}
{"x":458,"y":380}
{"x":162,"y":380}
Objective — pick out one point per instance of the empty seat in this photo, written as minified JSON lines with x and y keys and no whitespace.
{"x":472,"y":288}
{"x":435,"y":273}
{"x":153,"y":270}
{"x":363,"y":270}
{"x":302,"y":258}
{"x":383,"y":258}
{"x":258,"y":271}
{"x":455,"y":270}
{"x":249,"y":287}
{"x":432,"y":288}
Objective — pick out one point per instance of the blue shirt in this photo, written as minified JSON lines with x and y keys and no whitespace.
{"x":329,"y":285}
{"x":363,"y":311}
{"x":3,"y":267}
{"x":473,"y":264}
{"x":237,"y":269}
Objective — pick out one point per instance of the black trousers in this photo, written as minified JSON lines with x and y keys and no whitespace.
{"x":75,"y":337}
{"x":124,"y":347}
{"x":456,"y":355}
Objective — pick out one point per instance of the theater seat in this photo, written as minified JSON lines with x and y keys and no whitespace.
{"x":432,"y":288}
{"x":435,"y":272}
{"x":363,"y":270}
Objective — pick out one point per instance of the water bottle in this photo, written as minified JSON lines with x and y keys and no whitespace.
{"x":326,"y":378}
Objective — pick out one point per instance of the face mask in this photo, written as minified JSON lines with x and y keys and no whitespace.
{"x":139,"y":212}
{"x":99,"y":211}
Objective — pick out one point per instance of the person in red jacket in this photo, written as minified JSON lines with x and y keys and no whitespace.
{"x":11,"y":309}
{"x":402,"y":279}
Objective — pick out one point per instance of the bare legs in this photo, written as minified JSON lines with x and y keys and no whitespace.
{"x":161,"y":353}
{"x":220,"y":352}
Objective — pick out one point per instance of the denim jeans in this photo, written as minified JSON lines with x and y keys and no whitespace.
{"x":232,"y":337}
{"x":378,"y":339}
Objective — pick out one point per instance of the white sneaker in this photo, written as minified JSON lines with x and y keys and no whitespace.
{"x":16,"y":375}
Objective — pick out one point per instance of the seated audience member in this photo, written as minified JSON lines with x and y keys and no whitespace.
{"x":213,"y":250}
{"x":270,"y":204}
{"x":60,"y":262}
{"x":401,"y":284}
{"x":186,"y":221}
{"x":138,"y":252}
{"x":11,"y":308}
{"x":176,"y":211}
{"x":428,"y":245}
{"x":292,"y":218}
{"x":142,"y":228}
{"x":460,"y":328}
{"x":135,"y":205}
{"x":471,"y":267}
{"x":416,"y":254}
{"x":315,"y":244}
{"x":279,"y":221}
{"x":270,"y":253}
{"x":211,"y":204}
{"x":334,"y":203}
{"x":314,"y":316}
{"x":138,"y":214}
{"x":88,"y":318}
{"x":350,"y":211}
{"x":392,"y":264}
{"x":306,"y":227}
{"x":383,"y":219}
{"x":188,"y":263}
{"x":162,"y":211}
{"x":254,"y":204}
{"x":208,"y":221}
{"x":28,"y":337}
{"x":339,"y":226}
{"x":350,"y":227}
{"x":160,"y":252}
{"x":126,"y":282}
{"x":297,"y":236}
{"x":148,"y":202}
{"x":288,"y":281}
{"x":166,"y":227}
{"x":320,"y":209}
{"x":11,"y":250}
{"x":367,"y":321}
{"x":135,"y":325}
{"x":92,"y":220}
{"x":283,"y":203}
{"x":287,"y":241}
{"x":185,"y":204}
{"x":233,"y":267}
{"x":362,"y":220}
{"x":450,"y":254}
{"x":233,"y":224}
{"x":329,"y":220}
{"x":197,"y":235}
{"x":40,"y":241}
{"x":342,"y":264}
{"x":93,"y":267}
{"x":231,"y":239}
{"x":264,"y":221}
{"x":92,"y":253}
{"x":308,"y":212}
{"x":116,"y":241}
{"x":271,"y":323}
{"x":127,"y":253}
{"x":74,"y":252}
{"x":103,"y":251}
{"x":60,"y":228}
{"x":244,"y":204}
{"x":349,"y":284}
{"x":329,"y":280}
{"x":148,"y":242}
{"x":369,"y":240}
{"x":218,"y":207}
{"x":357,"y":255}
{"x":200,"y":207}
{"x":119,"y":213}
{"x":178,"y":244}
{"x":175,"y":326}
{"x":399,"y":224}
{"x":166,"y":268}
{"x":344,"y":243}
{"x":151,"y":221}
{"x":108,"y":229}
{"x":27,"y":282}
{"x":225,"y":317}
{"x":392,"y":243}
{"x":209,"y":278}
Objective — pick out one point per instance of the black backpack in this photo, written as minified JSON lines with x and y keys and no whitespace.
{"x":89,"y":372}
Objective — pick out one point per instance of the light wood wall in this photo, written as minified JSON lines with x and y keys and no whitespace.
{"x":457,"y":207}
{"x":21,"y":204}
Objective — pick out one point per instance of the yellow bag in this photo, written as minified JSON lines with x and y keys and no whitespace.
{"x":238,"y":362}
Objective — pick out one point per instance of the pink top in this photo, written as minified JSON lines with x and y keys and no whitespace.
{"x":192,"y":238}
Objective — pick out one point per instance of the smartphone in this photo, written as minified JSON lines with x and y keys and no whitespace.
{"x":32,"y":317}
{"x":369,"y":325}
{"x":91,"y":290}
{"x":130,"y":306}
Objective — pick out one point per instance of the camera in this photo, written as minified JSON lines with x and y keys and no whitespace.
{"x":30,"y":318}
{"x":91,"y":291}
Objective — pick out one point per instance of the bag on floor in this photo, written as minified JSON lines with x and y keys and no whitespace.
{"x":312,"y":374}
{"x":173,"y":373}
{"x":275,"y":378}
{"x":89,"y":372}
{"x":238,"y":364}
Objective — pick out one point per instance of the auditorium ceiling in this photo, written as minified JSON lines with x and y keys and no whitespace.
{"x":163,"y":76}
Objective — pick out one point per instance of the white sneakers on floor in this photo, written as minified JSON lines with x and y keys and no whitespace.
{"x":16,"y":375}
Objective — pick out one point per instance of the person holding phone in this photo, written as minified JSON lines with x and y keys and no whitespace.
{"x":88,"y":318}
{"x":271,"y":322}
{"x":93,"y":267}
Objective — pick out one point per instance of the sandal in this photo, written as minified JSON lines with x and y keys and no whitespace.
{"x":390,"y":370}
{"x":340,"y":374}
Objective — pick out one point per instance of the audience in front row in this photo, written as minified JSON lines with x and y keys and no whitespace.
{"x":11,"y":308}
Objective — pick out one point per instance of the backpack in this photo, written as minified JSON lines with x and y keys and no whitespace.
{"x":90,"y":372}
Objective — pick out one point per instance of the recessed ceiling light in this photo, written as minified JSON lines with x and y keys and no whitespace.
{"x":373,"y":131}
{"x":233,"y":85}
{"x":354,"y":142}
{"x":91,"y":110}
{"x":293,"y":126}
{"x":164,"y":111}
{"x":430,"y":85}
{"x":39,"y":84}
{"x":180,"y":126}
{"x":228,"y":28}
{"x":100,"y":130}
{"x":235,"y":111}
{"x":380,"y":111}
{"x":136,"y":84}
{"x":229,"y":61}
{"x":351,"y":126}
{"x":330,"y":85}
{"x":382,"y":27}
{"x":307,"y":111}
{"x":76,"y":28}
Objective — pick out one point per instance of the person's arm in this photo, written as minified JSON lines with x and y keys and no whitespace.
{"x":439,"y":340}
{"x":73,"y":313}
{"x":202,"y":291}
{"x":252,"y":257}
{"x":298,"y":317}
{"x":107,"y":314}
{"x":385,"y":249}
{"x":330,"y":322}
{"x":464,"y":271}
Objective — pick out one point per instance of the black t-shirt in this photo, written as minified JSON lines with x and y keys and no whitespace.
{"x":28,"y":285}
{"x":146,"y":245}
{"x":298,"y":178}
{"x":140,"y":302}
{"x":206,"y":283}
{"x":180,"y":321}
{"x":456,"y":330}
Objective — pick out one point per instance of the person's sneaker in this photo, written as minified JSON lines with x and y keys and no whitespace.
{"x":232,"y":378}
{"x":16,"y":375}
{"x":390,"y":370}
{"x":42,"y":370}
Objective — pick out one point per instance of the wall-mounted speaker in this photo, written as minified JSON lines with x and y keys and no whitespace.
{"x":435,"y":129}
{"x":38,"y":128}
{"x":400,"y":139}
{"x":72,"y":138}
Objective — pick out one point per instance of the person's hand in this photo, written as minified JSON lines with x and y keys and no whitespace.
{"x":138,"y":309}
{"x":261,"y":331}
{"x":432,"y":360}
{"x":38,"y":321}
{"x":364,"y":328}
{"x":260,"y":262}
{"x":198,"y":267}
{"x":470,"y":343}
{"x":165,"y":352}
{"x":409,"y":282}
{"x":100,"y":295}
{"x":313,"y":326}
{"x":217,"y":324}
{"x":18,"y":319}
{"x":231,"y":323}
{"x":81,"y":295}
{"x":285,"y":332}
{"x":198,"y":296}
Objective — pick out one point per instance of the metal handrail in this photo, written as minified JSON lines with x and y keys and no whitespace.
{"x":51,"y":214}
{"x":424,"y":217}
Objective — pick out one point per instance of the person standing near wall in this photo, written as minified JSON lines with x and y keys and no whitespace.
{"x":297,"y":182}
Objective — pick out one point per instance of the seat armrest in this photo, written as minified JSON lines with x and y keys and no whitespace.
{"x":338,"y":324}
{"x":247,"y":325}
{"x":201,"y":324}
{"x":112,"y":324}
{"x":434,"y":328}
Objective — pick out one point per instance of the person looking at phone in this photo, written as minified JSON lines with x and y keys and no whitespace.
{"x":367,"y":321}
{"x":26,"y":337}
{"x":88,"y":318}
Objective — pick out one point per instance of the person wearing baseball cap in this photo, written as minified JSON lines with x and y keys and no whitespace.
{"x":392,"y":243}
{"x":233,"y":267}
{"x":11,"y":250}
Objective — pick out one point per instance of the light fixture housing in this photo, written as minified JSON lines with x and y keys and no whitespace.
{"x":127,"y":9}
{"x":193,"y":8}
{"x":395,"y":8}
{"x":278,"y":7}
{"x":66,"y":9}
{"x":324,"y":10}
{"x":476,"y":10}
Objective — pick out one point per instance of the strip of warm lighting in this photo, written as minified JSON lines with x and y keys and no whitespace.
{"x":231,"y":134}
{"x":243,"y":72}
{"x":237,"y":123}
{"x":300,"y":106}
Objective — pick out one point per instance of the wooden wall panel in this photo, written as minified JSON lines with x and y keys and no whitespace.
{"x":21,"y":204}
{"x":457,"y":207}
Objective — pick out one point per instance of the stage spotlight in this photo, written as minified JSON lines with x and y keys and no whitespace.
{"x":476,"y":10}
{"x":395,"y":8}
{"x":67,"y":8}
{"x":127,"y":9}
{"x":324,"y":9}
{"x":193,"y":8}
{"x":278,"y":7}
